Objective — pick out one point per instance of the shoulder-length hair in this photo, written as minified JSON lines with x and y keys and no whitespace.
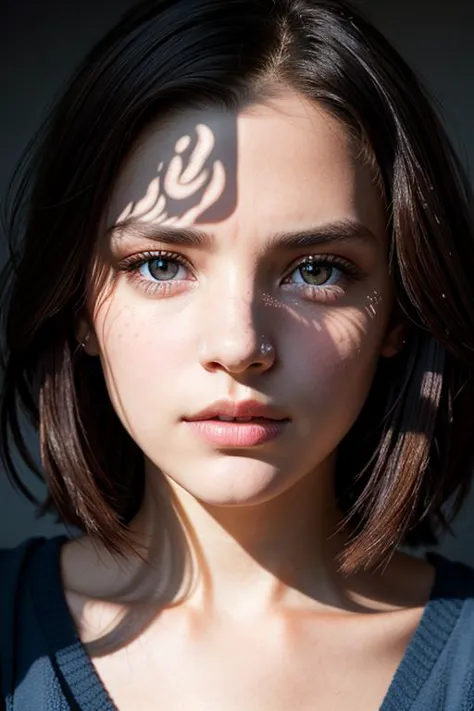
{"x":411,"y":450}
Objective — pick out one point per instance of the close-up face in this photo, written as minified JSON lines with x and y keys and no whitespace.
{"x":247,"y":261}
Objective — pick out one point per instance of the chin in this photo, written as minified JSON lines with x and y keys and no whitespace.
{"x":239,"y":481}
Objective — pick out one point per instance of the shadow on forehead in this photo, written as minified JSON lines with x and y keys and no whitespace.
{"x":188,"y":174}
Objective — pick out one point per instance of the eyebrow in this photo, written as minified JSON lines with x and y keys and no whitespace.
{"x":191,"y":237}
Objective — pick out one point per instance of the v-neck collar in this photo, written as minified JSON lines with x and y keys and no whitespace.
{"x":88,"y":692}
{"x":437,"y":622}
{"x":81,"y":682}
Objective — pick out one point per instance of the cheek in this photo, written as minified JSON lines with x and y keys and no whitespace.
{"x":139,"y":349}
{"x":352,"y":338}
{"x":335,"y":363}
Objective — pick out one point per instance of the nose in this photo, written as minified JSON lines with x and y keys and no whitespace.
{"x":236,"y":338}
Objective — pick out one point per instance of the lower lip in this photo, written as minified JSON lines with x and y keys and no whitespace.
{"x":238,"y":434}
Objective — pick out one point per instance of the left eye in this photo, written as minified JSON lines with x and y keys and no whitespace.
{"x":160,"y":269}
{"x":316,"y":274}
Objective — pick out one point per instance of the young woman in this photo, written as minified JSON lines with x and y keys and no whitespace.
{"x":239,"y":312}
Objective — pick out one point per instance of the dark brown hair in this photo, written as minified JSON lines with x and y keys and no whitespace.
{"x":411,"y":450}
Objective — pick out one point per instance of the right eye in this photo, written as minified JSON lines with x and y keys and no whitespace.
{"x":160,"y":268}
{"x":157,"y":272}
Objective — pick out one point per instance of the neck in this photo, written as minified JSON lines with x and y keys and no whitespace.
{"x":282,"y":549}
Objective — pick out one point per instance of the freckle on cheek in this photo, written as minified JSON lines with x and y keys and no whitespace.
{"x":270,"y":300}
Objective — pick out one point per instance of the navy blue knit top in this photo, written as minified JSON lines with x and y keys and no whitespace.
{"x":45,"y":667}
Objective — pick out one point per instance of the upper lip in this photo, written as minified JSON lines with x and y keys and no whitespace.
{"x":238,"y":408}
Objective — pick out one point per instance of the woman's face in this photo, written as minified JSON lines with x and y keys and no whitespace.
{"x":247,"y":263}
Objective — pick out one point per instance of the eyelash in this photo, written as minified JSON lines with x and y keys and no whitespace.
{"x":350,"y":271}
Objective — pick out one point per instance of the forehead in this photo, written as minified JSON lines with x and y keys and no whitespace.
{"x":283,"y":161}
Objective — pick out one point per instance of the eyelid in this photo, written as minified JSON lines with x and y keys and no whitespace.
{"x":135,"y":261}
{"x":345,"y":265}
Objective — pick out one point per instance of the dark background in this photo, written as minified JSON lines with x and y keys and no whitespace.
{"x":41,"y":42}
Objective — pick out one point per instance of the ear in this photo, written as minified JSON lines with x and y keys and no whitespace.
{"x":86,"y":338}
{"x":394,"y":340}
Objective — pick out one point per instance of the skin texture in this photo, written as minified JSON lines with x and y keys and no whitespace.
{"x":259,"y":521}
{"x":204,"y":330}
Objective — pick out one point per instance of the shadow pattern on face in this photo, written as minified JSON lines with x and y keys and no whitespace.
{"x":190,"y":178}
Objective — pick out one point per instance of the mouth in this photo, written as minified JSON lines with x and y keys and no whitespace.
{"x":238,"y":423}
{"x":235,"y":432}
{"x":225,"y":418}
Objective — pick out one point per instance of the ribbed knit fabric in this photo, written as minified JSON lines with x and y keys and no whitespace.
{"x":45,"y":667}
{"x":437,"y":670}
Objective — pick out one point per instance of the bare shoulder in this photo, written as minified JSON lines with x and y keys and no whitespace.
{"x":105,"y":593}
{"x":87,"y":577}
{"x":404,"y":583}
{"x":409,"y":580}
{"x":86,"y":569}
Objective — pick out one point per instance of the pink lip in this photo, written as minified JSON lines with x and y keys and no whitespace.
{"x":237,"y":434}
{"x":238,"y":408}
